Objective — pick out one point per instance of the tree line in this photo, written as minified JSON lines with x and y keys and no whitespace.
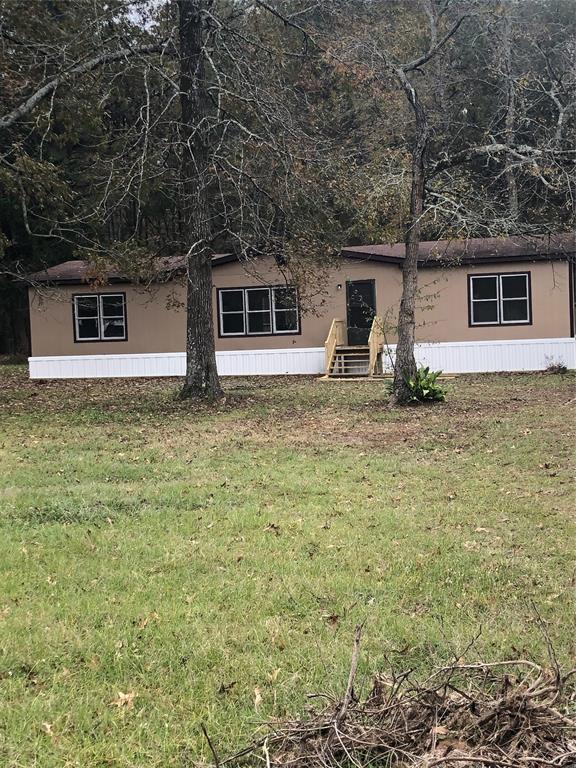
{"x":131,"y":130}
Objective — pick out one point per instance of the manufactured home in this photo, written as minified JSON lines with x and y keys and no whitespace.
{"x":498,"y":304}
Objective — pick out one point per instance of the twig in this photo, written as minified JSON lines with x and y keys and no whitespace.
{"x":214,"y":753}
{"x":341,"y":715}
{"x":499,"y":719}
{"x":351,"y":676}
{"x":266,"y":752}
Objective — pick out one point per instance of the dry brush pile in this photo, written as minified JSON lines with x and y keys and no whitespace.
{"x":513,"y":714}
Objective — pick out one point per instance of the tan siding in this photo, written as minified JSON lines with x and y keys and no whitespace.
{"x":315,"y":324}
{"x":448,"y":319}
{"x":152,"y":325}
{"x":155,"y":325}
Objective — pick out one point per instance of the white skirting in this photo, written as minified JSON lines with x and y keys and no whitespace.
{"x":450,"y":357}
{"x":492,"y":356}
{"x":256,"y":362}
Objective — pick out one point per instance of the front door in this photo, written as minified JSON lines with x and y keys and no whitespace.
{"x":360,"y":310}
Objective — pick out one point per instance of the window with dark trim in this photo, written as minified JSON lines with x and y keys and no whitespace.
{"x":261,"y":311}
{"x":100,"y":317}
{"x":499,"y":299}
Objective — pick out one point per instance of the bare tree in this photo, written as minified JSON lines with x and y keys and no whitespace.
{"x":370,"y":50}
{"x":210,"y":128}
{"x":472,"y":172}
{"x":510,"y":92}
{"x":201,"y":372}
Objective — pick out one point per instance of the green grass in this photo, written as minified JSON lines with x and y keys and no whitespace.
{"x":190,"y":555}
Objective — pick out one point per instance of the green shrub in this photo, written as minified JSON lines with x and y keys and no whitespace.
{"x":424,"y":386}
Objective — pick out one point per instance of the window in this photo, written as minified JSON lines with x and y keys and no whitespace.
{"x":285,"y":310}
{"x":232,"y":320}
{"x":500,"y":299}
{"x":258,"y":311}
{"x":100,"y":317}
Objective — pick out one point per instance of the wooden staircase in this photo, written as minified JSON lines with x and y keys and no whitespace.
{"x":360,"y":361}
{"x":348,"y":362}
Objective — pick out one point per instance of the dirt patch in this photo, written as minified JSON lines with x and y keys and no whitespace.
{"x":302,"y":411}
{"x":374,"y":425}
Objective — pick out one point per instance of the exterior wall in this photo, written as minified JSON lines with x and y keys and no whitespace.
{"x":156,"y":326}
{"x":315,"y":322}
{"x":442,"y":314}
{"x":447,"y":291}
{"x":153,"y":323}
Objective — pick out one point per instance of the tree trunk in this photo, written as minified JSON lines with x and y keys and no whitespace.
{"x":201,"y":372}
{"x":509,"y":124}
{"x":405,"y":364}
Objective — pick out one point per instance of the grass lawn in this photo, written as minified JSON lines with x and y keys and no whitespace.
{"x":164,"y":565}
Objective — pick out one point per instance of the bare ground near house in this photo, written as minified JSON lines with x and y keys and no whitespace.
{"x":165,"y":565}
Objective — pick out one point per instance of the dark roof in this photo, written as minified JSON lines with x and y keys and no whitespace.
{"x":78,"y":272}
{"x":70,"y":272}
{"x":490,"y":250}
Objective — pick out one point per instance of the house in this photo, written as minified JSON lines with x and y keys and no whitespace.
{"x":499,"y":304}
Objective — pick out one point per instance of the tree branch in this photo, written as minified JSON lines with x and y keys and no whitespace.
{"x":434,"y":48}
{"x":39,"y":95}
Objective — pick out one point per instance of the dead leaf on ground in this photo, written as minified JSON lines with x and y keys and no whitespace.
{"x":124,"y":700}
{"x":332,"y":619}
{"x":153,"y":616}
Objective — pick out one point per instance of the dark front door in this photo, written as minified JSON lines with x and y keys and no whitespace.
{"x":360,"y":309}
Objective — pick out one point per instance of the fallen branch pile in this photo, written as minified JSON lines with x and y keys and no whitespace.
{"x":513,"y":714}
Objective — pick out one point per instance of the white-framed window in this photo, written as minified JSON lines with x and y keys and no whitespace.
{"x":100,"y":317}
{"x":500,"y":299}
{"x":261,"y":311}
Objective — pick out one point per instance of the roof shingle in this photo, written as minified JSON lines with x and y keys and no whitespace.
{"x":475,"y":250}
{"x":490,"y":250}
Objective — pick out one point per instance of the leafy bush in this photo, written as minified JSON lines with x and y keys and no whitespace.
{"x":424,"y":386}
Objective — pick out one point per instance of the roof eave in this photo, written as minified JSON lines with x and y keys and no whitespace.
{"x":33,"y":280}
{"x":366,"y":256}
{"x":469,"y":261}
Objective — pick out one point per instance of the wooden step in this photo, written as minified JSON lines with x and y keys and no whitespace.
{"x":347,"y":375}
{"x":347,"y":372}
{"x":357,"y":348}
{"x":354,"y":360}
{"x":350,"y":362}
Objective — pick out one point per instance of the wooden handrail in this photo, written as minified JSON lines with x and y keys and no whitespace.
{"x":375,"y":342}
{"x":334,"y":339}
